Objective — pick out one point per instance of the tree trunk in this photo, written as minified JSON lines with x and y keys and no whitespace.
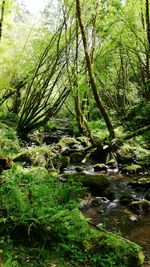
{"x":97,"y":97}
{"x":147,"y":93}
{"x":2,"y":18}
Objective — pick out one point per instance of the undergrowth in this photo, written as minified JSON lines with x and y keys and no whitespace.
{"x":39,"y":218}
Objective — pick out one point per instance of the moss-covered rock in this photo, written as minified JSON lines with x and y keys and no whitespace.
{"x":79,"y":169}
{"x":100,"y":167}
{"x":128,"y":153}
{"x":126,"y":197}
{"x":68,"y":141}
{"x":147,"y":196}
{"x":84,"y":141}
{"x":96,"y":183}
{"x":140,"y":206}
{"x":39,"y":156}
{"x":65,"y":161}
{"x":131,"y":169}
{"x":141,"y":182}
{"x":61,"y":163}
{"x":107,"y":245}
{"x":111,"y":164}
{"x":5,"y":163}
{"x":76,"y":157}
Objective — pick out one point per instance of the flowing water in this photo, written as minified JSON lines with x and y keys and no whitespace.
{"x":119,"y":218}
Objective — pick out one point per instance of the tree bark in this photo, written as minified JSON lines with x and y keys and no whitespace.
{"x":147,"y":93}
{"x":2,"y":18}
{"x":97,"y":97}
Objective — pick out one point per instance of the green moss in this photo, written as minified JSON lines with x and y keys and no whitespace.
{"x":84,"y":140}
{"x":95,"y":182}
{"x":36,"y":156}
{"x":44,"y":212}
{"x":132,"y":169}
{"x":76,"y":157}
{"x":129,"y":151}
{"x":65,"y":161}
{"x":67,"y":141}
{"x":141,"y":206}
{"x":9,"y":143}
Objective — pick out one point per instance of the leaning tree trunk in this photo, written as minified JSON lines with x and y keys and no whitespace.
{"x":97,"y":97}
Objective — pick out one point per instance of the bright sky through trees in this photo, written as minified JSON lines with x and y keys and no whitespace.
{"x":34,"y":6}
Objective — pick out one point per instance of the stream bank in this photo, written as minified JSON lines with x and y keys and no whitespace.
{"x":106,"y":184}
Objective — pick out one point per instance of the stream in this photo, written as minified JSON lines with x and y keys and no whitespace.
{"x":117,"y":217}
{"x":111,"y":207}
{"x":111,"y":210}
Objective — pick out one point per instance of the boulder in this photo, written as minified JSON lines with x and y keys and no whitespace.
{"x":5,"y":163}
{"x":85,"y":142}
{"x":140,"y":182}
{"x":133,"y":218}
{"x":126,"y":197}
{"x":96,"y":183}
{"x":76,"y":157}
{"x":111,"y":164}
{"x":79,"y":169}
{"x":100,"y":167}
{"x":147,"y":196}
{"x":38,"y":156}
{"x":131,"y":169}
{"x":140,"y":206}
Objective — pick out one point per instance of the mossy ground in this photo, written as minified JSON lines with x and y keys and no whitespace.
{"x":41,"y":224}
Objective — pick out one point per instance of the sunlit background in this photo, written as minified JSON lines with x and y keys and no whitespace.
{"x":35,"y":6}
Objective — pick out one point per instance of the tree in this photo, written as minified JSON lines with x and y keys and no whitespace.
{"x":2,"y":17}
{"x":46,"y":89}
{"x":92,"y":80}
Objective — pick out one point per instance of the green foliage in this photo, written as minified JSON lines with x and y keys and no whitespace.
{"x":39,"y":216}
{"x":99,"y":128}
{"x":139,"y":115}
{"x":9,"y":143}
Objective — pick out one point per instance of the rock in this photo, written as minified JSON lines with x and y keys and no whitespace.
{"x":38,"y":156}
{"x":140,"y":206}
{"x":65,"y":161}
{"x":5,"y":163}
{"x":131,"y":169}
{"x":79,"y":169}
{"x":53,"y":173}
{"x":100,"y":167}
{"x":69,"y":142}
{"x":144,"y":163}
{"x":109,"y":193}
{"x":128,"y":154}
{"x":61,"y":163}
{"x":96,"y":183}
{"x":84,"y":141}
{"x":76,"y":157}
{"x":111,"y":164}
{"x":133,"y":218}
{"x":143,"y":182}
{"x":126,"y":197}
{"x":147,"y":196}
